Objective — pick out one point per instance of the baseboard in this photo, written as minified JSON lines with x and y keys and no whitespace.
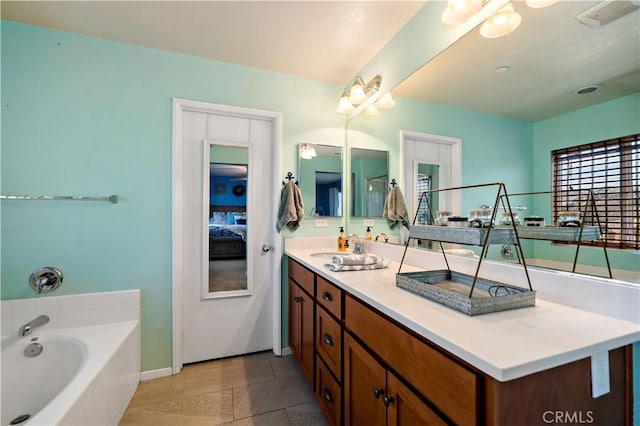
{"x":286,"y":351}
{"x":154,"y":374}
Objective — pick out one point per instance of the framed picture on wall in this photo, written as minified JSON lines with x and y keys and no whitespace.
{"x":238,"y":190}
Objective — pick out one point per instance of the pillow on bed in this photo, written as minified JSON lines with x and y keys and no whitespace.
{"x":231,"y":218}
{"x":241,"y":219}
{"x":218,"y":218}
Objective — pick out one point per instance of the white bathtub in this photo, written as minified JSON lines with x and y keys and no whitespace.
{"x":84,"y":375}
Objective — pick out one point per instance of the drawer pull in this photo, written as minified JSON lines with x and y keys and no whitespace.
{"x":297,"y":299}
{"x":377,"y":392}
{"x":327,"y":339}
{"x":386,"y":400}
{"x":327,"y":296}
{"x":327,"y":395}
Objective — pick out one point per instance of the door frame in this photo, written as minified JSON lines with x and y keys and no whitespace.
{"x":455,"y":144}
{"x":179,"y":106}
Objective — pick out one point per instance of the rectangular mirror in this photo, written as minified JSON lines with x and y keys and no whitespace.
{"x":227,"y":227}
{"x":320,"y":179}
{"x":369,"y":182}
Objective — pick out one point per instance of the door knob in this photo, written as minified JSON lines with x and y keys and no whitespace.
{"x":266,"y":248}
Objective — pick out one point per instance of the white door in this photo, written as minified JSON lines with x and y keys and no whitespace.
{"x":220,"y":323}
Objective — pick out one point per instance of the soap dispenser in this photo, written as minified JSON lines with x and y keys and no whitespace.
{"x":367,"y":235}
{"x":342,"y":240}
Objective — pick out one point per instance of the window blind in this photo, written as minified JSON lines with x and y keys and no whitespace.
{"x":610,"y":171}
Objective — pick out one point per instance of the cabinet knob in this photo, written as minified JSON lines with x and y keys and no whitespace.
{"x":327,"y":296}
{"x":386,"y":400}
{"x":297,"y":299}
{"x":377,"y":392}
{"x":327,"y":339}
{"x":327,"y":395}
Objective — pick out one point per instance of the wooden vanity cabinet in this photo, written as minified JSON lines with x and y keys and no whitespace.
{"x":301,"y":318}
{"x":373,"y":395}
{"x":329,"y":335}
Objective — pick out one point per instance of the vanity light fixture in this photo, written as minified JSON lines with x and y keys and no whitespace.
{"x":385,"y":102}
{"x":307,"y":152}
{"x":371,"y":110}
{"x":499,"y":24}
{"x":358,"y":93}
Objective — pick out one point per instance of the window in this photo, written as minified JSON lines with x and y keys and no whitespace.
{"x":424,"y":184}
{"x":609,"y":170}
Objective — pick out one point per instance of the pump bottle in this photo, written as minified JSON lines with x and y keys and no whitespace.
{"x":342,"y":240}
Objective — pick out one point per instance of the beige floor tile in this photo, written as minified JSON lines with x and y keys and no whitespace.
{"x":280,"y":393}
{"x":208,"y":409}
{"x":306,"y":415}
{"x":153,"y":391}
{"x":232,"y":375}
{"x":273,"y":418}
{"x":285,"y":366}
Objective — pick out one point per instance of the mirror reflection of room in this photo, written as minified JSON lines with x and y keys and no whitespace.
{"x":228,"y":219}
{"x":369,"y":182}
{"x":320,"y":179}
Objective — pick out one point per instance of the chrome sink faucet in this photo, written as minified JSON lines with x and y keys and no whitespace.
{"x":27,"y":329}
{"x":382,"y":235}
{"x":358,"y":247}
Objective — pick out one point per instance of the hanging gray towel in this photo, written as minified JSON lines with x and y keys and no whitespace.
{"x":395,"y":211}
{"x":291,"y":211}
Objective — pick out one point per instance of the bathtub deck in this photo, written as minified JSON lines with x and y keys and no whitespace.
{"x":258,"y":388}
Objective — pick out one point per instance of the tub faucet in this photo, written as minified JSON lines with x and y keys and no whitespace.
{"x":27,"y":329}
{"x":358,"y":247}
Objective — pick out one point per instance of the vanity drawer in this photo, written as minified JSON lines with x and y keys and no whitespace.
{"x":330,"y":297}
{"x":302,"y":276}
{"x":440,"y":379}
{"x":329,"y":340}
{"x":328,"y":394}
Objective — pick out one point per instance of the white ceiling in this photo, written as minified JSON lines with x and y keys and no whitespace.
{"x":550,"y":54}
{"x":325,"y":40}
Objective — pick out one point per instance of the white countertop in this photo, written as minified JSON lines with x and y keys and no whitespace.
{"x":505,"y":345}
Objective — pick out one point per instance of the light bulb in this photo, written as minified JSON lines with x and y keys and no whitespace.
{"x":538,"y":4}
{"x":459,"y":11}
{"x":344,"y":106}
{"x":385,"y":102}
{"x":356,"y":95}
{"x":501,"y":23}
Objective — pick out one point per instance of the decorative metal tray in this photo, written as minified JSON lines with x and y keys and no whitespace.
{"x":452,"y":288}
{"x":559,"y":233}
{"x":474,"y":236}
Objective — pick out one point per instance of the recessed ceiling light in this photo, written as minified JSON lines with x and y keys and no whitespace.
{"x":588,"y":89}
{"x":502,"y":69}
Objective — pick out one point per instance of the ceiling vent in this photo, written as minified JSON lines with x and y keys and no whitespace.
{"x":607,"y":11}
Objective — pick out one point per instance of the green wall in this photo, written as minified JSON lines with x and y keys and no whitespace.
{"x":620,"y":117}
{"x":86,"y":116}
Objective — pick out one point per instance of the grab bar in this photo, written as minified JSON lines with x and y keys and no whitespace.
{"x":111,"y":198}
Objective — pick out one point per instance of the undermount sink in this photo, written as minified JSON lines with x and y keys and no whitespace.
{"x":326,"y":254}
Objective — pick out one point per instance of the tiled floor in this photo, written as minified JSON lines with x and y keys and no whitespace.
{"x":258,"y":389}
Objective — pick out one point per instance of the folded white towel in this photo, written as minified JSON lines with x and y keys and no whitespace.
{"x":342,"y":267}
{"x":356,"y":259}
{"x":291,"y":211}
{"x":395,"y":210}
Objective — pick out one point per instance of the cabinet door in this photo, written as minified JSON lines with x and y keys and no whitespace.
{"x":405,"y":408}
{"x":294,"y":319}
{"x":364,"y":386}
{"x":301,"y":330}
{"x":307,"y":352}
